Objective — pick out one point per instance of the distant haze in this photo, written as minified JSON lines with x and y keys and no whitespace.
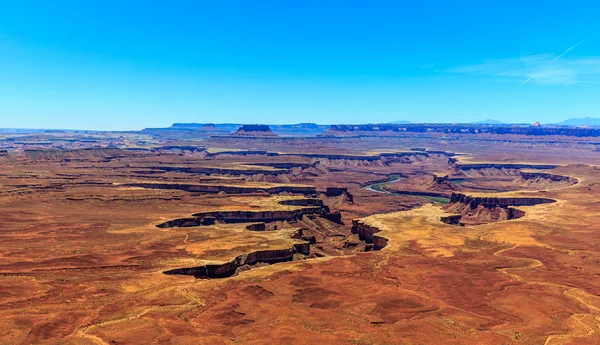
{"x":584,"y":121}
{"x":488,"y":122}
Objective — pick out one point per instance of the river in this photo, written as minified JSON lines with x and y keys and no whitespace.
{"x":378,"y":188}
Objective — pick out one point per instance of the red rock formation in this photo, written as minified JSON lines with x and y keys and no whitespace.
{"x":254,"y":131}
{"x":492,"y":202}
{"x":480,"y":210}
{"x":545,"y":180}
{"x":200,"y":188}
{"x":309,"y":206}
{"x":229,"y":268}
{"x":367,"y":233}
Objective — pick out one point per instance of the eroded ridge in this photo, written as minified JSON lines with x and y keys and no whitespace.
{"x":228,"y":269}
{"x":304,"y":207}
{"x":229,"y":189}
{"x":368,"y":233}
{"x":490,"y":201}
{"x":475,"y":210}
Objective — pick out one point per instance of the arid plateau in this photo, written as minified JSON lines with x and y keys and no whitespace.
{"x":392,"y":234}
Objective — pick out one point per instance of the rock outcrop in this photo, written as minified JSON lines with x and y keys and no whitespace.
{"x":307,"y":206}
{"x":545,"y":180}
{"x":481,"y":210}
{"x":480,"y":215}
{"x":491,"y":202}
{"x":257,"y":227}
{"x":221,"y":171}
{"x":254,"y":131}
{"x":229,"y":268}
{"x":441,"y":184}
{"x":229,"y":189}
{"x":335,"y":191}
{"x":368,"y":234}
{"x":469,"y":166}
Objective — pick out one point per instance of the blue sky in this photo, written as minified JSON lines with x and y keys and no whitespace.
{"x":129,"y":64}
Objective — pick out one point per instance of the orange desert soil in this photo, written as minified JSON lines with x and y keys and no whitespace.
{"x":300,"y":241}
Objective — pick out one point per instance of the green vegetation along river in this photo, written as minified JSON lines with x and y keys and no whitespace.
{"x":378,"y":188}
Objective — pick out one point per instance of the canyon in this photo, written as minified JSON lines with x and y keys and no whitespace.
{"x":349,"y":234}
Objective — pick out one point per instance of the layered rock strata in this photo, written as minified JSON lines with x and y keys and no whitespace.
{"x":229,"y":268}
{"x":229,"y":189}
{"x":368,"y":234}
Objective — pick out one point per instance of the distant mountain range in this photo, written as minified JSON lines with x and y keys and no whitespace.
{"x":488,"y":122}
{"x":483,"y":122}
{"x":582,"y":121}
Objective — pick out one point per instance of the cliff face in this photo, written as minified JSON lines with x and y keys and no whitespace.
{"x":368,"y":233}
{"x":491,"y":202}
{"x":545,"y":181}
{"x":229,"y":268}
{"x":480,"y":215}
{"x":335,"y":191}
{"x":214,"y":189}
{"x":378,"y":129}
{"x":481,"y":210}
{"x":222,"y":171}
{"x":470,"y":166}
{"x":441,"y":184}
{"x":255,"y":131}
{"x":309,"y":206}
{"x":241,"y":217}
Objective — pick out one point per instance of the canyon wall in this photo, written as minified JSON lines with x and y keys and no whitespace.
{"x":199,"y":188}
{"x":491,"y":202}
{"x":229,"y":268}
{"x":307,"y":206}
{"x":368,"y":234}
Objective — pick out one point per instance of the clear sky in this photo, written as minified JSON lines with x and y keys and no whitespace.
{"x":133,"y":64}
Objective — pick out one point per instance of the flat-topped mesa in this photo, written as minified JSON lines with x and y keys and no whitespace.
{"x":308,"y":207}
{"x":470,"y":210}
{"x":492,"y":202}
{"x":473,"y":129}
{"x":228,"y":269}
{"x":441,"y":183}
{"x":229,"y":189}
{"x":367,"y":128}
{"x":368,"y":233}
{"x":335,"y":191}
{"x":440,"y":179}
{"x":470,"y":166}
{"x":545,"y":180}
{"x":255,"y":131}
{"x":221,"y":171}
{"x":332,"y":192}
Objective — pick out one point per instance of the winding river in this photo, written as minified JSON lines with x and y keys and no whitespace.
{"x":378,"y":188}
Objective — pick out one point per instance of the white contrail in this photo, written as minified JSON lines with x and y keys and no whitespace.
{"x":556,"y":58}
{"x":566,"y":51}
{"x":523,"y":83}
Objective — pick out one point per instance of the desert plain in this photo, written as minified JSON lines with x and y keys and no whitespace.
{"x":362,"y":236}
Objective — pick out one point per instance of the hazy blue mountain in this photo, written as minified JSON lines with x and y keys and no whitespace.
{"x":582,"y":121}
{"x":401,"y":122}
{"x":488,"y":122}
